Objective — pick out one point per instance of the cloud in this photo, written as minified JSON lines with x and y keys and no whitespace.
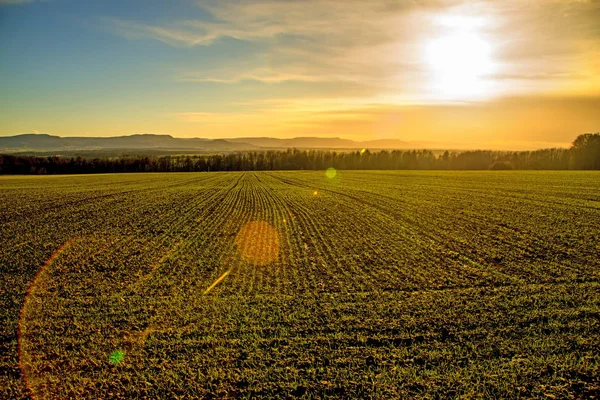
{"x":259,"y":74}
{"x":380,"y":44}
{"x":14,"y":2}
{"x":322,"y":41}
{"x":515,"y":122}
{"x":559,"y":75}
{"x":171,"y":35}
{"x":342,"y":21}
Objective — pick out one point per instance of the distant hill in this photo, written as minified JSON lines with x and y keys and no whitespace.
{"x":46,"y":143}
{"x":154,"y":143}
{"x":319,"y":143}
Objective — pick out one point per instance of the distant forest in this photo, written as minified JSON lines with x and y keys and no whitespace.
{"x":583,"y":154}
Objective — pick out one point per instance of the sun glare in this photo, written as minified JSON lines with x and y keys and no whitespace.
{"x":459,"y":62}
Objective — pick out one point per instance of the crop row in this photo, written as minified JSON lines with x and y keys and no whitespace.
{"x":290,"y":283}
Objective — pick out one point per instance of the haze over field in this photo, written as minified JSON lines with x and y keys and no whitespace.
{"x":478,"y":74}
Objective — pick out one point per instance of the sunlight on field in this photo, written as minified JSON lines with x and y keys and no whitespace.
{"x":258,"y":243}
{"x":407,"y":292}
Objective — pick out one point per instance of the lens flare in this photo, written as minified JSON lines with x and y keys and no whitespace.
{"x":24,"y":359}
{"x":216,"y":282}
{"x":330,"y":173}
{"x":116,"y":357}
{"x":258,"y":243}
{"x":363,"y":151}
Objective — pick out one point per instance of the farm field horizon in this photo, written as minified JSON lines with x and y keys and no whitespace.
{"x":384,"y":284}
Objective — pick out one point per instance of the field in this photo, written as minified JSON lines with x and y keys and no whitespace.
{"x":280,"y":284}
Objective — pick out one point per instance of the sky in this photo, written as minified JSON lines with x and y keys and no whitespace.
{"x":510,"y":74}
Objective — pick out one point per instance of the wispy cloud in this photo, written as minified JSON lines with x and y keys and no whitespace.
{"x":496,"y":123}
{"x":172,"y":34}
{"x":14,"y":2}
{"x":323,"y":41}
{"x":381,"y":44}
{"x":339,"y":21}
{"x":260,"y":74}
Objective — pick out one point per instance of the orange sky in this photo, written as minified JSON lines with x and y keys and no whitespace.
{"x":506,"y":74}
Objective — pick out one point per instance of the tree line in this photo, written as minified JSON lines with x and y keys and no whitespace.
{"x":583,"y":154}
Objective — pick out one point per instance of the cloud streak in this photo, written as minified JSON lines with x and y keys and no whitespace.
{"x":16,"y":2}
{"x":379,"y":44}
{"x":325,"y":41}
{"x":497,"y":124}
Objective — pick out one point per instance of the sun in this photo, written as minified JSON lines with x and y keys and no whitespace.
{"x":459,"y":63}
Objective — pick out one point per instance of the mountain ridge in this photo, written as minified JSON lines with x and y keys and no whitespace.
{"x":46,"y":142}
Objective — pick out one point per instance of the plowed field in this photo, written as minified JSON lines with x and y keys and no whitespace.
{"x":280,"y":284}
